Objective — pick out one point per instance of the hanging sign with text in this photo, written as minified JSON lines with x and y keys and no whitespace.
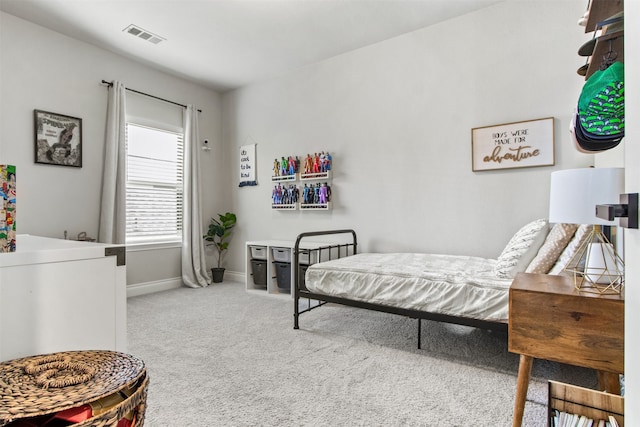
{"x":248,"y":165}
{"x":513,"y":145}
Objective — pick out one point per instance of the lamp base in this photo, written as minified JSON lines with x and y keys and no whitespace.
{"x":596,"y":267}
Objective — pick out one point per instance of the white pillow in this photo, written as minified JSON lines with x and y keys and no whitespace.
{"x":576,"y":242}
{"x":521,"y":249}
{"x":555,"y":242}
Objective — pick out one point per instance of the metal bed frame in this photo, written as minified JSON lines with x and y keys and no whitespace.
{"x":351,"y":248}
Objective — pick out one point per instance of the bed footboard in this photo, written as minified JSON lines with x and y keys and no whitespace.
{"x":319,"y":254}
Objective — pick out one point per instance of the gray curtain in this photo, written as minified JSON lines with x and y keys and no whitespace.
{"x":194,"y":267}
{"x":113,"y":221}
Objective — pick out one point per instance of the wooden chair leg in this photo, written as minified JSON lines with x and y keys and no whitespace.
{"x":524,"y":372}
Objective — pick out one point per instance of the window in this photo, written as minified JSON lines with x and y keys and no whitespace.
{"x":154,"y":185}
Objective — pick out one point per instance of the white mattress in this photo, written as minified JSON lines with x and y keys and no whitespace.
{"x":447,"y":284}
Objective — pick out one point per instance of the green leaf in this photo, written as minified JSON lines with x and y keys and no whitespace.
{"x":220,"y":231}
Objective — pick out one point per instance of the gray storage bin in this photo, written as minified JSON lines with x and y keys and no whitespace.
{"x":259,"y":272}
{"x":258,"y":252}
{"x":302,"y":270}
{"x":281,"y":254}
{"x":308,"y":256}
{"x":283,"y":275}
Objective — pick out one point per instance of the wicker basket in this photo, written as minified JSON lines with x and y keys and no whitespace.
{"x":47,"y":384}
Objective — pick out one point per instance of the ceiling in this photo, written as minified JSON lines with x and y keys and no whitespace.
{"x":225,"y":44}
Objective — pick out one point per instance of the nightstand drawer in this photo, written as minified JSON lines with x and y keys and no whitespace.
{"x":549,"y":319}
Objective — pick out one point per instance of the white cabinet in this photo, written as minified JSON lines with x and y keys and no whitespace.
{"x":262,"y":252}
{"x":61,"y":295}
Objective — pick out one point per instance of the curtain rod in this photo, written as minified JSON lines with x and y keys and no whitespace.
{"x":150,"y":96}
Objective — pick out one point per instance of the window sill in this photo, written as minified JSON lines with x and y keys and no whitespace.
{"x":150,"y":245}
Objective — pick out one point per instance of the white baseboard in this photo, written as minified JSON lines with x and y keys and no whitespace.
{"x":137,"y":289}
{"x":234,"y":276}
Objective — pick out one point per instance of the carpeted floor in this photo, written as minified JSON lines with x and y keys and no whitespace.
{"x":219,"y":356}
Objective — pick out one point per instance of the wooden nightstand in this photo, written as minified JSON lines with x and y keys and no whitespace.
{"x":550,"y":319}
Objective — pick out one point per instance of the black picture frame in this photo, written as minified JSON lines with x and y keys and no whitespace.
{"x":58,"y":139}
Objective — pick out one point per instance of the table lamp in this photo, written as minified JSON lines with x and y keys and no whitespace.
{"x":574,"y":194}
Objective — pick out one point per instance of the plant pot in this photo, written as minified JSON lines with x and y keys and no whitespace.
{"x":218,"y":274}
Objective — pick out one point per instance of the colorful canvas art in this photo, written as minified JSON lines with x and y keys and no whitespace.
{"x":7,"y":208}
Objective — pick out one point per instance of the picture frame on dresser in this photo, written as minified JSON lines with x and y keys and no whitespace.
{"x":57,"y":138}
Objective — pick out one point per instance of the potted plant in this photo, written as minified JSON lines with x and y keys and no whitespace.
{"x":218,"y":236}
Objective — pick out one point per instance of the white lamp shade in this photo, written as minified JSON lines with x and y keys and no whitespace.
{"x":576,"y":192}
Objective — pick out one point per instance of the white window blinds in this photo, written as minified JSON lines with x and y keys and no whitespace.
{"x":154,"y":184}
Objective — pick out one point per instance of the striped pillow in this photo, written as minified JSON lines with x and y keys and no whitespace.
{"x":521,"y":249}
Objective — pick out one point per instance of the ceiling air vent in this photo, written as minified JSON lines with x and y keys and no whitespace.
{"x":134,"y":30}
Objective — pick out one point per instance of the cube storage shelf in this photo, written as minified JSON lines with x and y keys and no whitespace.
{"x":269,"y":264}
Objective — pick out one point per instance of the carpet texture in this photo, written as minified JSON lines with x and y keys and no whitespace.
{"x":219,"y":356}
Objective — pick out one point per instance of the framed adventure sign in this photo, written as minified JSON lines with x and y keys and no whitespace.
{"x":513,"y":145}
{"x":58,"y":139}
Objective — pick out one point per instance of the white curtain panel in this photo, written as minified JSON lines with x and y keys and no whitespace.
{"x":113,"y":219}
{"x":194,"y":267}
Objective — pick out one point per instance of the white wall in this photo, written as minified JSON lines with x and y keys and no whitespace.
{"x":45,"y":70}
{"x":397,"y":118}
